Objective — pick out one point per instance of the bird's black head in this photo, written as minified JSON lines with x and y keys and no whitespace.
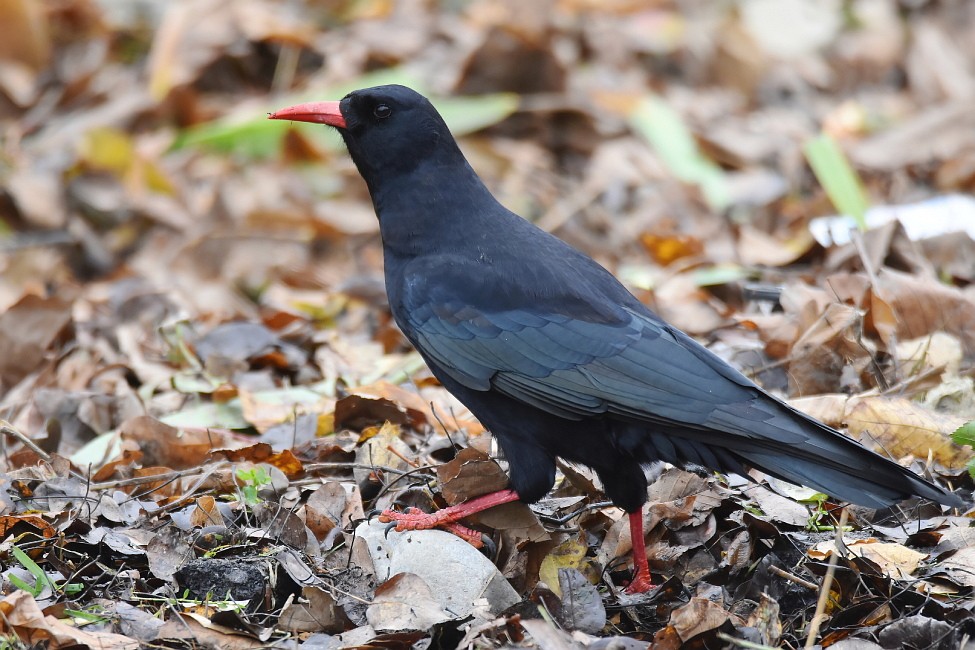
{"x":389,"y":130}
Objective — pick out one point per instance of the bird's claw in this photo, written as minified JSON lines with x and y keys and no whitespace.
{"x":488,"y":547}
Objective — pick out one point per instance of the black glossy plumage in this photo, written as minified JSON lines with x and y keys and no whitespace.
{"x":552,"y":353}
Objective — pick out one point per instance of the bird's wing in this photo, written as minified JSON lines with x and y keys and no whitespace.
{"x":616,"y":359}
{"x":596,"y":351}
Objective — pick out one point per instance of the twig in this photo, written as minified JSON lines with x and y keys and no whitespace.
{"x":782,"y":573}
{"x":167,"y":477}
{"x":742,"y":643}
{"x":411,"y":463}
{"x":340,"y":465}
{"x":820,"y":615}
{"x":7,"y":429}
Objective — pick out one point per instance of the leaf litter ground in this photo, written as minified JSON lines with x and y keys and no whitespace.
{"x":204,"y":397}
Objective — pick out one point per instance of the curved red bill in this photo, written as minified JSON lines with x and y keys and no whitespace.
{"x":314,"y":112}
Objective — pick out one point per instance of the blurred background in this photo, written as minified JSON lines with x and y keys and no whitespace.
{"x":146,"y":202}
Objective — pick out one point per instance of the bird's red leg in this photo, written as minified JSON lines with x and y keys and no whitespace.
{"x":415,"y":519}
{"x":641,"y":568}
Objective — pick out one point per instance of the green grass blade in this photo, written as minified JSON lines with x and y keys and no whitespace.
{"x":673,"y":141}
{"x":836,"y":175}
{"x":253,"y":136}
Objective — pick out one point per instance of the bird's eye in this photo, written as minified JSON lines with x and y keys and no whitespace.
{"x":382,"y":111}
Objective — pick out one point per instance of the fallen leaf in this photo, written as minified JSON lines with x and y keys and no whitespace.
{"x":582,"y":606}
{"x":470,"y":474}
{"x":893,"y":426}
{"x":22,"y":617}
{"x":895,"y":560}
{"x":405,"y":602}
{"x":28,"y":329}
{"x":698,"y":616}
{"x":570,"y":554}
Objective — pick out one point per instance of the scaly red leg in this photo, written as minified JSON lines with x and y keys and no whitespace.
{"x":641,"y":568}
{"x":447,"y":518}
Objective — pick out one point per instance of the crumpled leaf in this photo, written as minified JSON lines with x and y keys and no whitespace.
{"x":405,"y":602}
{"x":894,"y":426}
{"x":698,"y":616}
{"x":22,"y":617}
{"x":582,"y":606}
{"x":570,"y":554}
{"x":895,"y":560}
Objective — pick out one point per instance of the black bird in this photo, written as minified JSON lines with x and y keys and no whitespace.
{"x":551,"y":353}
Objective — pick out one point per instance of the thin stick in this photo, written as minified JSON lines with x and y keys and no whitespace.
{"x":314,"y":467}
{"x":820,"y":615}
{"x":167,"y":477}
{"x":742,"y":643}
{"x":782,"y":573}
{"x":7,"y":429}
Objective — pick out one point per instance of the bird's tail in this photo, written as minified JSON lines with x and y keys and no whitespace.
{"x":771,"y":436}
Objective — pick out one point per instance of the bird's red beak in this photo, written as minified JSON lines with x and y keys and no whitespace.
{"x":314,"y":112}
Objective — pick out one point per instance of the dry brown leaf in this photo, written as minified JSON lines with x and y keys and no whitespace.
{"x":28,"y":329}
{"x":22,"y":617}
{"x":895,"y":560}
{"x":959,"y":567}
{"x":939,"y":352}
{"x":418,"y":404}
{"x":319,"y":613}
{"x":332,"y":507}
{"x":189,"y":38}
{"x":765,"y":618}
{"x":162,"y":444}
{"x":904,"y":428}
{"x":405,"y":602}
{"x":825,"y":349}
{"x":907,"y":307}
{"x":385,"y":448}
{"x":206,"y":513}
{"x":892,"y":426}
{"x":758,"y":248}
{"x":698,"y":616}
{"x":24,"y":33}
{"x":937,"y":133}
{"x":470,"y":474}
{"x":687,"y":306}
{"x":666,"y":249}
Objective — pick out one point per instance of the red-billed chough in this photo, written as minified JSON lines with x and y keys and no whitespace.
{"x":551,"y":353}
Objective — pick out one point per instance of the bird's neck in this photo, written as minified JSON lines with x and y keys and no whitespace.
{"x":433,"y":207}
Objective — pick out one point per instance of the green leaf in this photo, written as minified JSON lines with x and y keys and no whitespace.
{"x":223,"y":415}
{"x":41,"y":579}
{"x":720,"y":274}
{"x":88,"y":617}
{"x":965,"y":434}
{"x":34,"y":589}
{"x":836,"y":175}
{"x":469,"y":114}
{"x":252,"y":135}
{"x":673,"y":141}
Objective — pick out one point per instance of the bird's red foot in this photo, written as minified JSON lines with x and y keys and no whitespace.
{"x":447,"y":518}
{"x":641,"y":582}
{"x":416,"y":519}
